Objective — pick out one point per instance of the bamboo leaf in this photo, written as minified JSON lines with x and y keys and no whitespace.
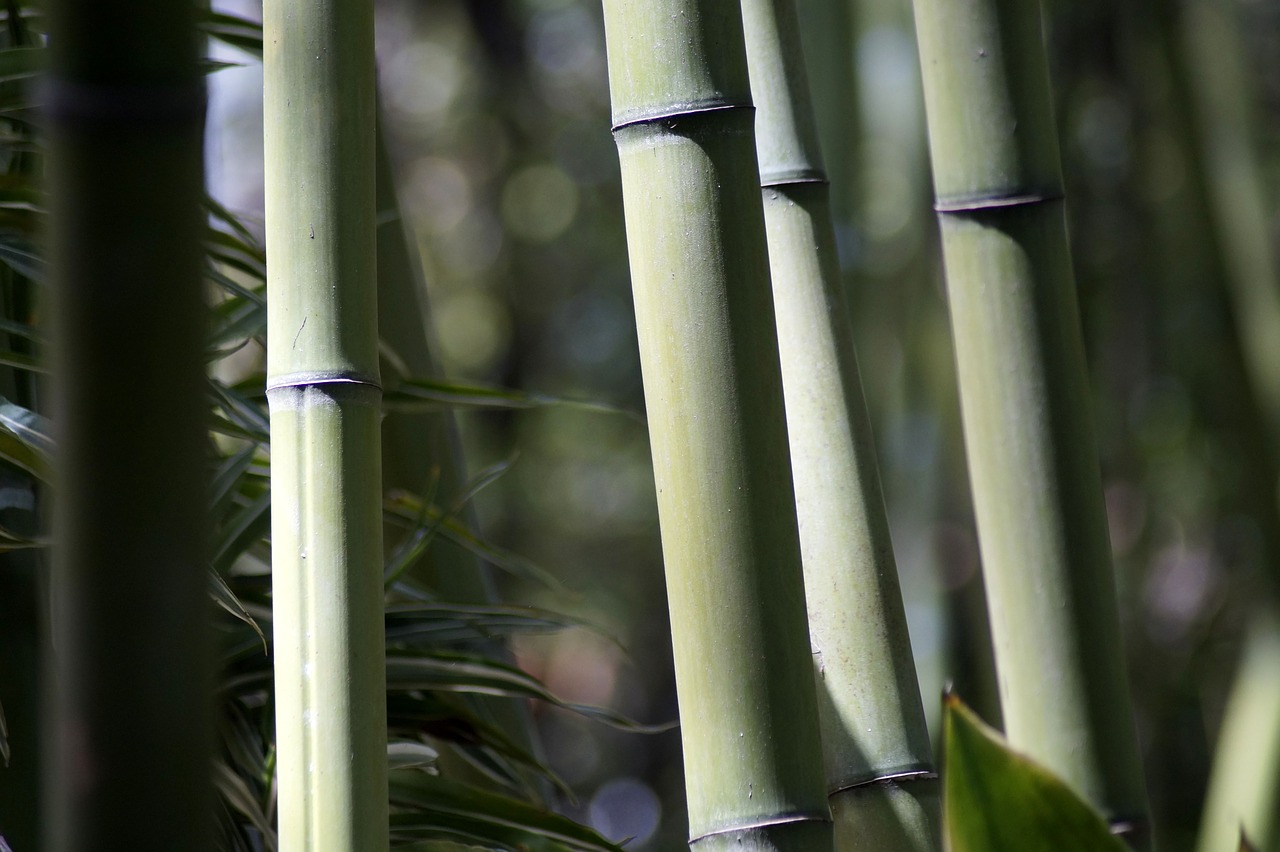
{"x":16,"y":253}
{"x":246,"y":527}
{"x":226,"y":477}
{"x":237,"y":794}
{"x":232,"y":30}
{"x":407,"y":754}
{"x":227,"y":599}
{"x":997,"y":800}
{"x":31,"y":428}
{"x":411,"y":550}
{"x":22,"y":63}
{"x":438,"y":623}
{"x":443,"y":809}
{"x":18,"y":452}
{"x":469,"y":673}
{"x":407,"y":507}
{"x":419,"y":394}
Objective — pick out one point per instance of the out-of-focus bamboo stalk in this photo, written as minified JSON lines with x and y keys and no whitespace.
{"x":324,"y":393}
{"x":708,"y":344}
{"x":1244,"y":790}
{"x":1025,"y":400}
{"x":876,"y":746}
{"x":129,"y":750}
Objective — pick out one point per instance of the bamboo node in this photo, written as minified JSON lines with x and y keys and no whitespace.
{"x":765,"y":822}
{"x":991,"y":202}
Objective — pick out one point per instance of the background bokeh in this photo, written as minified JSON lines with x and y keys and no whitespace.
{"x":497,"y":114}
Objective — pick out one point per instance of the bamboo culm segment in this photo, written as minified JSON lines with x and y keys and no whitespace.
{"x":330,"y":681}
{"x":131,"y":732}
{"x":872,"y":720}
{"x":734,"y":585}
{"x":708,"y":349}
{"x":1025,"y":399}
{"x":324,"y":394}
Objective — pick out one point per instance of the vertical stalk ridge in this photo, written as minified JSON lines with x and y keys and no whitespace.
{"x":1025,"y":399}
{"x":708,"y":345}
{"x":879,"y":762}
{"x":129,"y":755}
{"x":324,"y":395}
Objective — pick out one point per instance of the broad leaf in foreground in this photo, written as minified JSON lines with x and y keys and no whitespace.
{"x":996,"y":800}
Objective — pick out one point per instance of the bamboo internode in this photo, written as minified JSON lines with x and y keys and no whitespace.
{"x":324,"y":394}
{"x":1025,"y":398}
{"x":708,"y":345}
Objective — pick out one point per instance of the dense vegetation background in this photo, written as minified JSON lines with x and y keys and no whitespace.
{"x":498,"y":115}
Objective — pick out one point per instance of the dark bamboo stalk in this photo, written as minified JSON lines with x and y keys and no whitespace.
{"x":129,"y":761}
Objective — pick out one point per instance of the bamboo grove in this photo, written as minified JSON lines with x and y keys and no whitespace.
{"x":275,"y":576}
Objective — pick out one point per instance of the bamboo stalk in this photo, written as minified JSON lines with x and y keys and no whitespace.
{"x":131,"y":651}
{"x":1024,"y":398}
{"x":879,"y":761}
{"x":324,"y":394}
{"x":708,"y":345}
{"x":1244,"y":789}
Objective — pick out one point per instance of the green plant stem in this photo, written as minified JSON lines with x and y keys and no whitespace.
{"x":1244,"y":789}
{"x":1025,"y":399}
{"x":324,"y":394}
{"x":129,"y":757}
{"x":879,"y":762}
{"x":708,"y":346}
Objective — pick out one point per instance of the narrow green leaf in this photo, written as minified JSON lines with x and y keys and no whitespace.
{"x":18,"y":452}
{"x":239,"y":797}
{"x":439,"y":623}
{"x":227,"y":477}
{"x":21,"y":63}
{"x":31,"y":428}
{"x":16,"y":253}
{"x":232,"y":30}
{"x":21,"y":361}
{"x":22,"y":330}
{"x":419,"y":394}
{"x":408,"y":754}
{"x":432,"y":669}
{"x":444,"y":809}
{"x":407,"y":507}
{"x":232,"y":221}
{"x":227,"y":599}
{"x":246,"y":527}
{"x":411,"y":550}
{"x":996,"y":800}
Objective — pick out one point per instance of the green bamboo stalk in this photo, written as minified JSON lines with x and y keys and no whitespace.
{"x":1244,"y":790}
{"x":1220,"y":91}
{"x":879,"y":761}
{"x":708,"y":345}
{"x":1025,"y":399}
{"x":324,"y":394}
{"x":129,"y":761}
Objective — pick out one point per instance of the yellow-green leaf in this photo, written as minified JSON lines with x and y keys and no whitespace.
{"x":997,"y":800}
